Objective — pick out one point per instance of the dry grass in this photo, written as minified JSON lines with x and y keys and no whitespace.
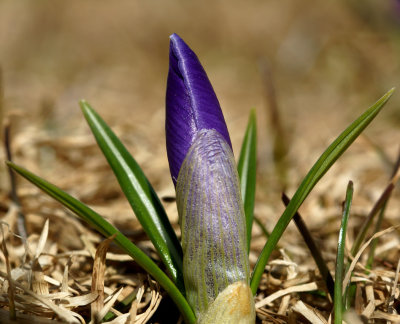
{"x":48,"y":283}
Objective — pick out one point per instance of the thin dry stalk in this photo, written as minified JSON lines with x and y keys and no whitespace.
{"x":13,"y":183}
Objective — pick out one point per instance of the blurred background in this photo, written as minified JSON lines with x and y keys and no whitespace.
{"x":318,"y":64}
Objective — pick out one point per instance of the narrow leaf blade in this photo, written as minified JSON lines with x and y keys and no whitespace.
{"x":106,"y":229}
{"x":140,"y":194}
{"x":338,"y":297}
{"x":247,"y":172}
{"x":325,"y":161}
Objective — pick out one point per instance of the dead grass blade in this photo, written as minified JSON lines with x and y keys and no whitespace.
{"x":82,"y":300}
{"x":98,"y":278}
{"x":369,"y":293}
{"x":42,"y":240}
{"x":301,"y":288}
{"x":309,"y":313}
{"x":64,"y":283}
{"x":134,"y":308}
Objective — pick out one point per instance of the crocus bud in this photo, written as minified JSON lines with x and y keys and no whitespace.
{"x":211,"y":214}
{"x":191,"y":104}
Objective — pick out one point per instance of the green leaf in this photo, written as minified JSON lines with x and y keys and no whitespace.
{"x":338,"y":297}
{"x":140,"y":194}
{"x":106,"y":229}
{"x":325,"y":161}
{"x":247,"y":172}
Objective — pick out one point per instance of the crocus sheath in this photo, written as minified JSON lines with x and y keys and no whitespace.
{"x":212,"y":221}
{"x":191,"y":104}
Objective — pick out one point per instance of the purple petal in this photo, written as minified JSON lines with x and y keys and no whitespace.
{"x":212,"y":221}
{"x":191,"y":104}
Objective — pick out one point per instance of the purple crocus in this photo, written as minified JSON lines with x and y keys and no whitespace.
{"x":211,"y":214}
{"x":191,"y":104}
